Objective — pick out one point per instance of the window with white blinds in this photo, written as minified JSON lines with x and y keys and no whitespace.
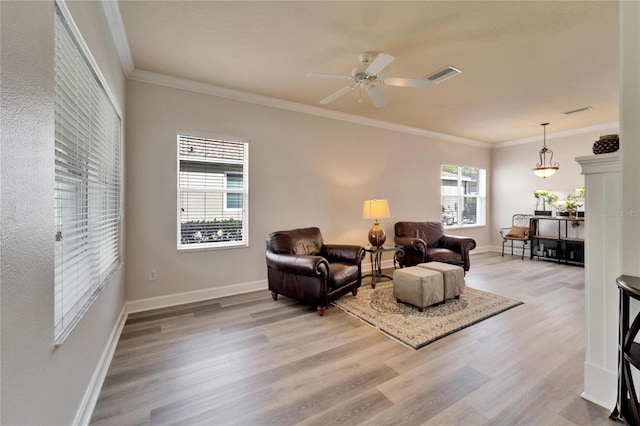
{"x":213,"y":188}
{"x":87,"y":181}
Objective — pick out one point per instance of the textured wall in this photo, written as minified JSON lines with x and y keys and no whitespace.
{"x":40,"y":384}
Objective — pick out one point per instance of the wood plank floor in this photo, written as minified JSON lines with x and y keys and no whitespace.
{"x":249,"y":360}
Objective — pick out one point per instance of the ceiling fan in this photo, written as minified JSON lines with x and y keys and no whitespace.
{"x":367,"y":73}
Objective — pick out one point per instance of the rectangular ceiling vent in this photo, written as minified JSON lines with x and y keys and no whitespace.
{"x":587,"y":108}
{"x":443,"y":74}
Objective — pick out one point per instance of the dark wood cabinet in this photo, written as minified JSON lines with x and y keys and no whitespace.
{"x":554,"y":242}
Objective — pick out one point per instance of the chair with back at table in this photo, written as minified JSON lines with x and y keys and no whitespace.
{"x":518,"y":232}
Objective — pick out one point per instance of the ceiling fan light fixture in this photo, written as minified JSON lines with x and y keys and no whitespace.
{"x":543,"y":169}
{"x":443,"y":74}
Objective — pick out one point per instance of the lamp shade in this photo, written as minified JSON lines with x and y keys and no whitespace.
{"x":375,"y":209}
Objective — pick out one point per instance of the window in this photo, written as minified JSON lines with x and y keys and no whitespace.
{"x":212,"y":192}
{"x":87,"y":181}
{"x":462,"y":194}
{"x":234,"y":181}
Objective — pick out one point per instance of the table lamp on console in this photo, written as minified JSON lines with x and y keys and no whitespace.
{"x":376,"y":209}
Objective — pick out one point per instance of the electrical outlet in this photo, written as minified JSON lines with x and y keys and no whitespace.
{"x":153,"y":275}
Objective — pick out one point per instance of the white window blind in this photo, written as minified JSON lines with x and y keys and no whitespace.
{"x":87,"y":182}
{"x":212,"y":192}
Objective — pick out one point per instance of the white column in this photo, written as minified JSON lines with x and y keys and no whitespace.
{"x":603,"y":218}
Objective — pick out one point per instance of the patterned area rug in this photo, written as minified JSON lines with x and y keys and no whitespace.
{"x":403,"y":322}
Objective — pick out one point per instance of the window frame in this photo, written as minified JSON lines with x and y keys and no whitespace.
{"x":103,"y":268}
{"x":480,"y":197}
{"x":205,"y":246}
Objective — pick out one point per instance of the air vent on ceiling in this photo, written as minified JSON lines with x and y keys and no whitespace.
{"x":587,"y":108}
{"x":443,"y":74}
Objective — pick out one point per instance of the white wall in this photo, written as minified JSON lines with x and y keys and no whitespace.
{"x":304,"y":170}
{"x":42,"y":384}
{"x":630,"y":136}
{"x":514,"y":181}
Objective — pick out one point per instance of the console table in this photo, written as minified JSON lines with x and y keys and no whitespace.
{"x":627,"y":408}
{"x":375,"y":256}
{"x":557,"y":246}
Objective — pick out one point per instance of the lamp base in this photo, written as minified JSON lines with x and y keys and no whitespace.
{"x":377,"y":236}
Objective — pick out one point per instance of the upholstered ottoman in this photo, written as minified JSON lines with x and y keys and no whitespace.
{"x":418,"y":286}
{"x":453,"y":277}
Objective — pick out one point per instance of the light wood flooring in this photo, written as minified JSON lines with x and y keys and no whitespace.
{"x":249,"y":360}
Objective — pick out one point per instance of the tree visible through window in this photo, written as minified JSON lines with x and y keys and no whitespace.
{"x":212,"y":192}
{"x":462,"y":193}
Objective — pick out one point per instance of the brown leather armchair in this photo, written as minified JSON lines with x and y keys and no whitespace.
{"x":301,"y":266}
{"x":426,"y":242}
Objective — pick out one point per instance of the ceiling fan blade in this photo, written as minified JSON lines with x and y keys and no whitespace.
{"x":376,"y":96}
{"x":337,"y":94}
{"x":325,"y":75}
{"x":405,"y":82}
{"x":379,"y":63}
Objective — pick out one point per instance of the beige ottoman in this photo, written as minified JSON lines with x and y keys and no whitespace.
{"x":453,"y":277}
{"x":418,"y":286}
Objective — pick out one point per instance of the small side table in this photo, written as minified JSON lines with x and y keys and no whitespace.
{"x":375,"y":256}
{"x":627,"y":408}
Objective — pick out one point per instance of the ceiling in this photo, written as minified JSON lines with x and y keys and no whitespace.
{"x":523,"y":62}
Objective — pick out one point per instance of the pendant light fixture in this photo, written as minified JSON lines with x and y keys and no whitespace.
{"x":542,"y":169}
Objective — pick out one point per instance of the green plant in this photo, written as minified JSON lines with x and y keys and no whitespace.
{"x":567,"y":205}
{"x":545,"y":196}
{"x":573,"y":201}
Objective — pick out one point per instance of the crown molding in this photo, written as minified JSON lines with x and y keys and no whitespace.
{"x":612,"y":126}
{"x":118,"y":33}
{"x":210,"y":89}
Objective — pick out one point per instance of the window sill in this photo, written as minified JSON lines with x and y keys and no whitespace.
{"x":205,"y":247}
{"x":447,"y":228}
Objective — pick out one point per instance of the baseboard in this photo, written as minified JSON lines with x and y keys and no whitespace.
{"x":485,"y":249}
{"x":600,"y":386}
{"x":498,"y":249}
{"x":88,"y":404}
{"x":194,"y":296}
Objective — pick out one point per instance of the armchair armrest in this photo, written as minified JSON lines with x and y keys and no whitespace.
{"x":298,"y":264}
{"x":457,"y":243}
{"x":461,"y":245}
{"x":503,"y":231}
{"x":343,"y":253}
{"x":412,"y":243}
